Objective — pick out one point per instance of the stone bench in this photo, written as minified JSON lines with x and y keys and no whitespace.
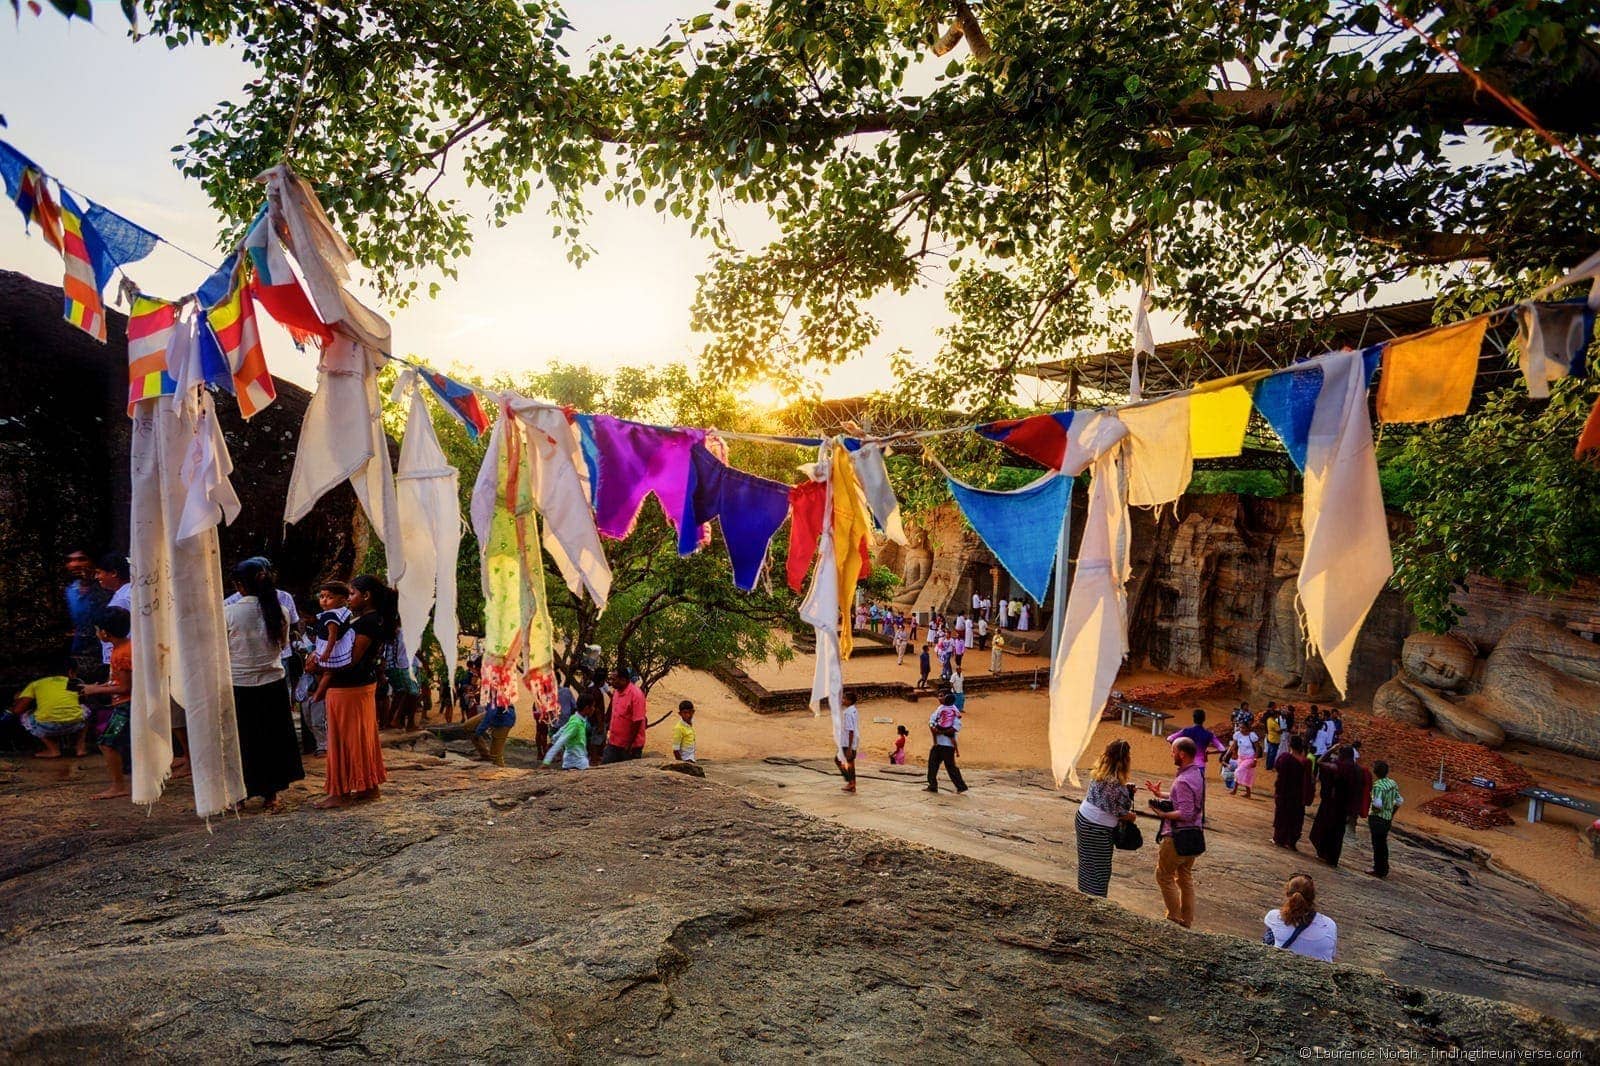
{"x":1538,"y":797}
{"x":1158,"y":719}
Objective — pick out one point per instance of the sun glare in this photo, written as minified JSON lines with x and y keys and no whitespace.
{"x":763,"y":396}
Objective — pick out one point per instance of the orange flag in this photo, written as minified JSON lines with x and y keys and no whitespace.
{"x":1430,"y":375}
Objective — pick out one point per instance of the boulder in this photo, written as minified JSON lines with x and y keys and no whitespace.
{"x":1395,"y":701}
{"x":1541,"y":684}
{"x":1439,"y":660}
{"x":1459,"y":720}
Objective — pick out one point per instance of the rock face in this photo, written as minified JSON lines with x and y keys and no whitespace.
{"x":1541,"y":684}
{"x":625,"y":914}
{"x":64,"y":473}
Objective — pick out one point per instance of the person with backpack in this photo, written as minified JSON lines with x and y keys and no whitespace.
{"x":1181,"y":838}
{"x":1296,"y":926}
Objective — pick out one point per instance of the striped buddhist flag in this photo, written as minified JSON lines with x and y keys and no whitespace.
{"x":80,"y":250}
{"x":39,"y":207}
{"x":150,"y":325}
{"x":233,"y":325}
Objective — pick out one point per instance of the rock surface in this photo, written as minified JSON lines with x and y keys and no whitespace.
{"x":626,"y":914}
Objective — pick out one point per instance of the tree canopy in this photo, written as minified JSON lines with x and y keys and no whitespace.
{"x":1272,"y":158}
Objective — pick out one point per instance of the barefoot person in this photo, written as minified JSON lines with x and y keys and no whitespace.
{"x":116,"y":741}
{"x":1385,"y":801}
{"x":258,"y":630}
{"x":355,"y":761}
{"x":849,"y":741}
{"x":945,"y":724}
{"x":49,"y":709}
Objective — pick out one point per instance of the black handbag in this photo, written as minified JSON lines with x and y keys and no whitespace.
{"x":1189,"y":840}
{"x":1127,"y":837}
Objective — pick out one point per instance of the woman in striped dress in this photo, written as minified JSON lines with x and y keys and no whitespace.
{"x":1108,"y":801}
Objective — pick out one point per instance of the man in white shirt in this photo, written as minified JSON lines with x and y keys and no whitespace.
{"x":849,"y":741}
{"x":977,"y":602}
{"x":983,"y":632}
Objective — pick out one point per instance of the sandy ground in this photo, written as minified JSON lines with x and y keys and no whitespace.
{"x":1008,"y":731}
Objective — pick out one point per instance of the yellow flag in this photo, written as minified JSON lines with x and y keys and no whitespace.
{"x":1430,"y":376}
{"x":851,"y":525}
{"x":1219,"y":412}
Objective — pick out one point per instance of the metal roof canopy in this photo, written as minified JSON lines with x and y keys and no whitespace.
{"x":1182,"y":364}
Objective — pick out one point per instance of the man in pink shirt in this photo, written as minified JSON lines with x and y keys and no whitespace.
{"x":625,"y":737}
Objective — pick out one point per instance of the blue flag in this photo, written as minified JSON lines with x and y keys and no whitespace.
{"x":1022,"y":527}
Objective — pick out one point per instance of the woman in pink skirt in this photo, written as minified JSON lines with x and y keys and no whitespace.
{"x":1246,"y":747}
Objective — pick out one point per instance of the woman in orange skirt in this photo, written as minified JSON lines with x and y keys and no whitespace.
{"x":355,"y":760}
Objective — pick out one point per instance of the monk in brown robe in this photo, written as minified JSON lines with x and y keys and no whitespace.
{"x":1327,"y":828}
{"x":1291,"y":794}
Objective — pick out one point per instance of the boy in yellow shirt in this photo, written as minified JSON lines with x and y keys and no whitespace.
{"x":683,"y":733}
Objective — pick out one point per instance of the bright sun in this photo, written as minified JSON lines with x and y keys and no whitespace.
{"x":763,"y":395}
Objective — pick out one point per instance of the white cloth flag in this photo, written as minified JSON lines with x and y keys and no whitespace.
{"x":560,"y":494}
{"x":180,"y":642}
{"x":874,"y":477}
{"x":427,"y":491}
{"x":1346,"y":561}
{"x":1160,"y":458}
{"x":342,"y":438}
{"x":1548,"y":339}
{"x":1144,"y":343}
{"x":1088,"y":438}
{"x":1094,"y":637}
{"x":204,"y":472}
{"x":294,"y":213}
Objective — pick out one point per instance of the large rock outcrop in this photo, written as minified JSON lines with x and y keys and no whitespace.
{"x":1541,"y":684}
{"x":64,"y":473}
{"x":626,"y":914}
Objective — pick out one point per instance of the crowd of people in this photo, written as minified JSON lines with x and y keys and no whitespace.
{"x":311,"y":684}
{"x":324,"y":683}
{"x":1314,"y":760}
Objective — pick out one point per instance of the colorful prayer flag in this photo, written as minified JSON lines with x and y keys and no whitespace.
{"x":1039,"y":437}
{"x":120,"y":242}
{"x":275,"y":287}
{"x":233,"y":324}
{"x":150,"y":325}
{"x":1021,"y":526}
{"x":80,"y":250}
{"x":463,"y":403}
{"x":1219,"y":413}
{"x":1430,"y":375}
{"x":36,"y":205}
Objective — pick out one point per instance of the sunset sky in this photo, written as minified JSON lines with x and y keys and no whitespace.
{"x":102,"y":113}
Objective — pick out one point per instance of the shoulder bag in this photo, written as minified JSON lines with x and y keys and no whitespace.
{"x":1268,"y":939}
{"x":1127,"y":837}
